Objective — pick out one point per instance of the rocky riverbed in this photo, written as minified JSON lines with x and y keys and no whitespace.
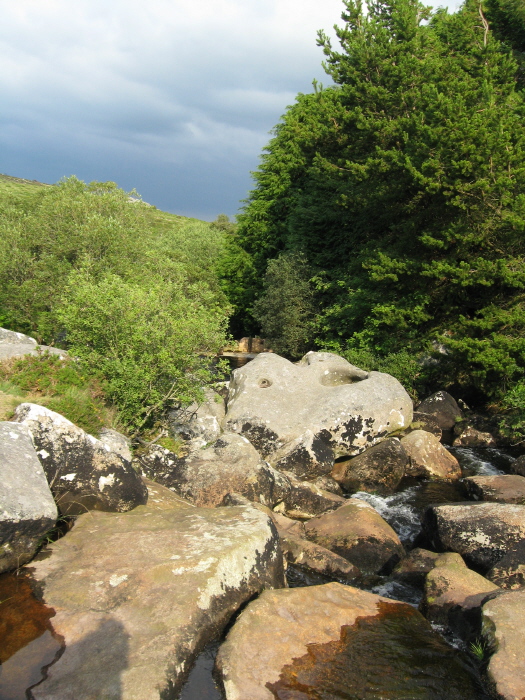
{"x":317,"y":535}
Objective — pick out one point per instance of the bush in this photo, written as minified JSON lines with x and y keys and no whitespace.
{"x":150,"y":346}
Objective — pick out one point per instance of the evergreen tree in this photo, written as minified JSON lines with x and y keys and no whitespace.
{"x":404,"y":186}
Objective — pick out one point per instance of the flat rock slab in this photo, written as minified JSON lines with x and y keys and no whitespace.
{"x":27,"y":508}
{"x":503,"y":622}
{"x":300,"y":416}
{"x":335,"y":641}
{"x":138,"y":595}
{"x":501,"y":488}
{"x":358,"y":533}
{"x":481,"y":532}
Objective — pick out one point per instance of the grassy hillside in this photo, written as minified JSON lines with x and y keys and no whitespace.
{"x":16,"y":188}
{"x":131,"y":291}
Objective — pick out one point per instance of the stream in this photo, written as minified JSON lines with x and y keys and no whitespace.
{"x":29,"y":645}
{"x":403,"y":511}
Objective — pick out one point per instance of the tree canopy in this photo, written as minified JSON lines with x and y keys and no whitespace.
{"x":402,"y":185}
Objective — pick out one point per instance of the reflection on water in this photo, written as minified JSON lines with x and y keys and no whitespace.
{"x":394,"y":655}
{"x":200,"y":684}
{"x":28,"y":643}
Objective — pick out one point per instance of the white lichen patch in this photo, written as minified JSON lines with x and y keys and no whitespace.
{"x":115,"y":580}
{"x":68,"y":477}
{"x":478,"y":536}
{"x":195,"y":569}
{"x":106,"y":481}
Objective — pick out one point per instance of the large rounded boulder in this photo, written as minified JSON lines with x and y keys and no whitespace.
{"x":301,"y":416}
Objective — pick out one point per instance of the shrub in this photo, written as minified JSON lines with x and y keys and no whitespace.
{"x":148,"y":345}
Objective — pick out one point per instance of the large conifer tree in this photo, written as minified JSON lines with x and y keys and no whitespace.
{"x":404,"y":186}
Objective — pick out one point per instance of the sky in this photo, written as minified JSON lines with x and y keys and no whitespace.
{"x":175,"y":98}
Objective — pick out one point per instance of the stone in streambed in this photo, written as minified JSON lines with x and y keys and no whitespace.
{"x":312,"y":558}
{"x":300,"y":416}
{"x":83,"y":472}
{"x":500,"y":488}
{"x":428,"y":458}
{"x":443,"y":407}
{"x":335,"y":641}
{"x":451,"y":585}
{"x":358,"y":533}
{"x":27,"y":508}
{"x":481,"y":532}
{"x":509,"y":572}
{"x":138,"y":595}
{"x":306,"y":500}
{"x":378,"y":469}
{"x":503,"y":622}
{"x":415,"y":566}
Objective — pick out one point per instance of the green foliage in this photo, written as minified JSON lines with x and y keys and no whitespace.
{"x":60,"y":385}
{"x":132,"y":291}
{"x":402,"y":365}
{"x":404,"y":184}
{"x":149,"y":345}
{"x":512,"y":424}
{"x":285,"y":310}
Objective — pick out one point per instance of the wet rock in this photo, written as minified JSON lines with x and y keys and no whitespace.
{"x":378,"y":470}
{"x":206,"y":477}
{"x":116,"y":442}
{"x":509,"y":572}
{"x":428,"y":458}
{"x":311,"y":557}
{"x":199,"y":423}
{"x":335,"y":641}
{"x":27,"y":508}
{"x":82,"y":472}
{"x":415,"y":566}
{"x":301,"y":416}
{"x":450,"y":584}
{"x":138,"y":595}
{"x":468,"y":436}
{"x":501,"y":488}
{"x":305,"y":500}
{"x":358,"y":533}
{"x":481,"y":532}
{"x":427,"y":422}
{"x":518,"y":466}
{"x":444,"y":407}
{"x":503,"y":625}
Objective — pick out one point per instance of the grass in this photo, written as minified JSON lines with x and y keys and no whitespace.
{"x":58,"y":384}
{"x":16,"y":188}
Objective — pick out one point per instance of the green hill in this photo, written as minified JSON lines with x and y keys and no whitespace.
{"x":132,"y":291}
